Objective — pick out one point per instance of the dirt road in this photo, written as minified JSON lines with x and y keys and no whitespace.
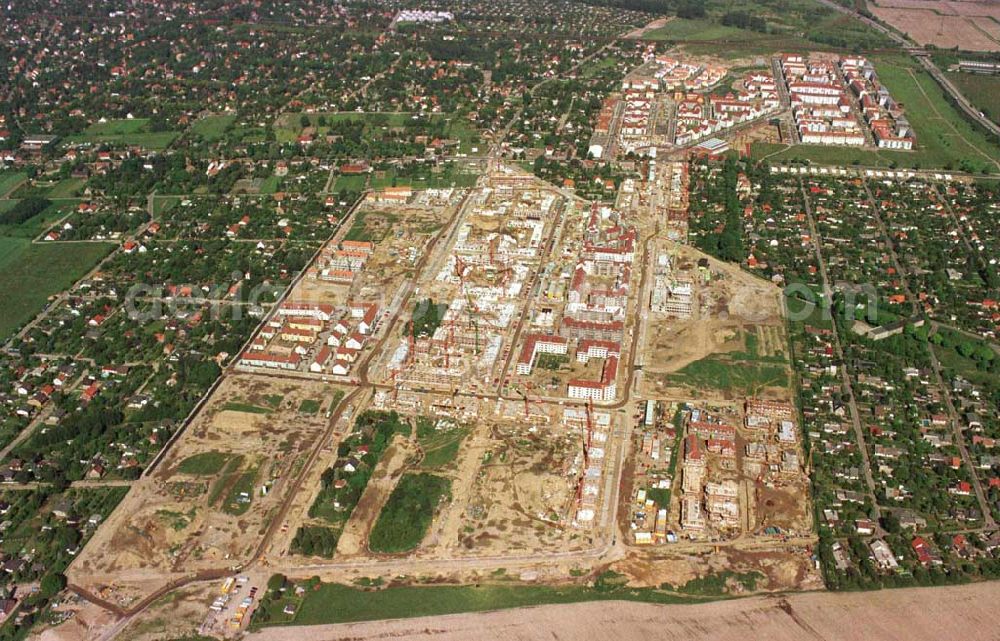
{"x":961,"y":612}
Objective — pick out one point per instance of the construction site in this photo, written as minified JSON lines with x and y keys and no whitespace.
{"x":471,"y":298}
{"x":332,"y":317}
{"x":528,"y":475}
{"x":215,"y":493}
{"x":501,"y":338}
{"x":490,"y":315}
{"x":701,"y":309}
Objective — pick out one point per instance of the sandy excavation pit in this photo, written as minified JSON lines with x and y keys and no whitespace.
{"x":523,"y":496}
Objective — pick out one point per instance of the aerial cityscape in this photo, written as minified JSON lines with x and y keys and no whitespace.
{"x":499,"y":319}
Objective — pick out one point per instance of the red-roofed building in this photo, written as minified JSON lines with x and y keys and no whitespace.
{"x":322,"y":359}
{"x":925,"y":553}
{"x":535,"y":344}
{"x":588,"y":349}
{"x":603,"y":390}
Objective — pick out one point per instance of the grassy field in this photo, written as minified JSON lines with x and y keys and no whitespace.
{"x":119,"y":127}
{"x":229,"y":473}
{"x":744,"y":377}
{"x":459,"y":128}
{"x":695,"y":30}
{"x":706,"y":37}
{"x":163,"y":204}
{"x":9,"y":180}
{"x":944,"y":138}
{"x":204,"y":464}
{"x":440,"y":446}
{"x":247,"y":408}
{"x":389,"y":178}
{"x":942,"y":133}
{"x":67,"y":188}
{"x":371,"y":226}
{"x":30,"y":273}
{"x":335,"y":603}
{"x":408,"y":513}
{"x":124,"y":132}
{"x":270,"y":184}
{"x":353,"y":183}
{"x":982,"y":91}
{"x":241,"y":495}
{"x":34,"y":226}
{"x":288,"y":127}
{"x":595,"y":67}
{"x":802,"y":25}
{"x":212,"y":128}
{"x":449,"y":177}
{"x":308,"y":406}
{"x":151,"y":140}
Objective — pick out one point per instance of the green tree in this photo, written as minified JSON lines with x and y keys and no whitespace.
{"x":52,"y":584}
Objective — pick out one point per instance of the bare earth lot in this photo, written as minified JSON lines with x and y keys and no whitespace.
{"x":962,"y":612}
{"x":194,"y":515}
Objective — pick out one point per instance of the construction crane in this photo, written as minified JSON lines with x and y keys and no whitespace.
{"x":473,"y":322}
{"x":493,"y":249}
{"x":460,"y":266}
{"x":471,"y":309}
{"x":589,"y":438}
{"x":449,"y":340}
{"x":504,"y":275}
{"x":411,"y":352}
{"x":586,"y":441}
{"x":524,"y":396}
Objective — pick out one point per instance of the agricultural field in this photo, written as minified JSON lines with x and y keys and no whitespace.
{"x":971,"y":26}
